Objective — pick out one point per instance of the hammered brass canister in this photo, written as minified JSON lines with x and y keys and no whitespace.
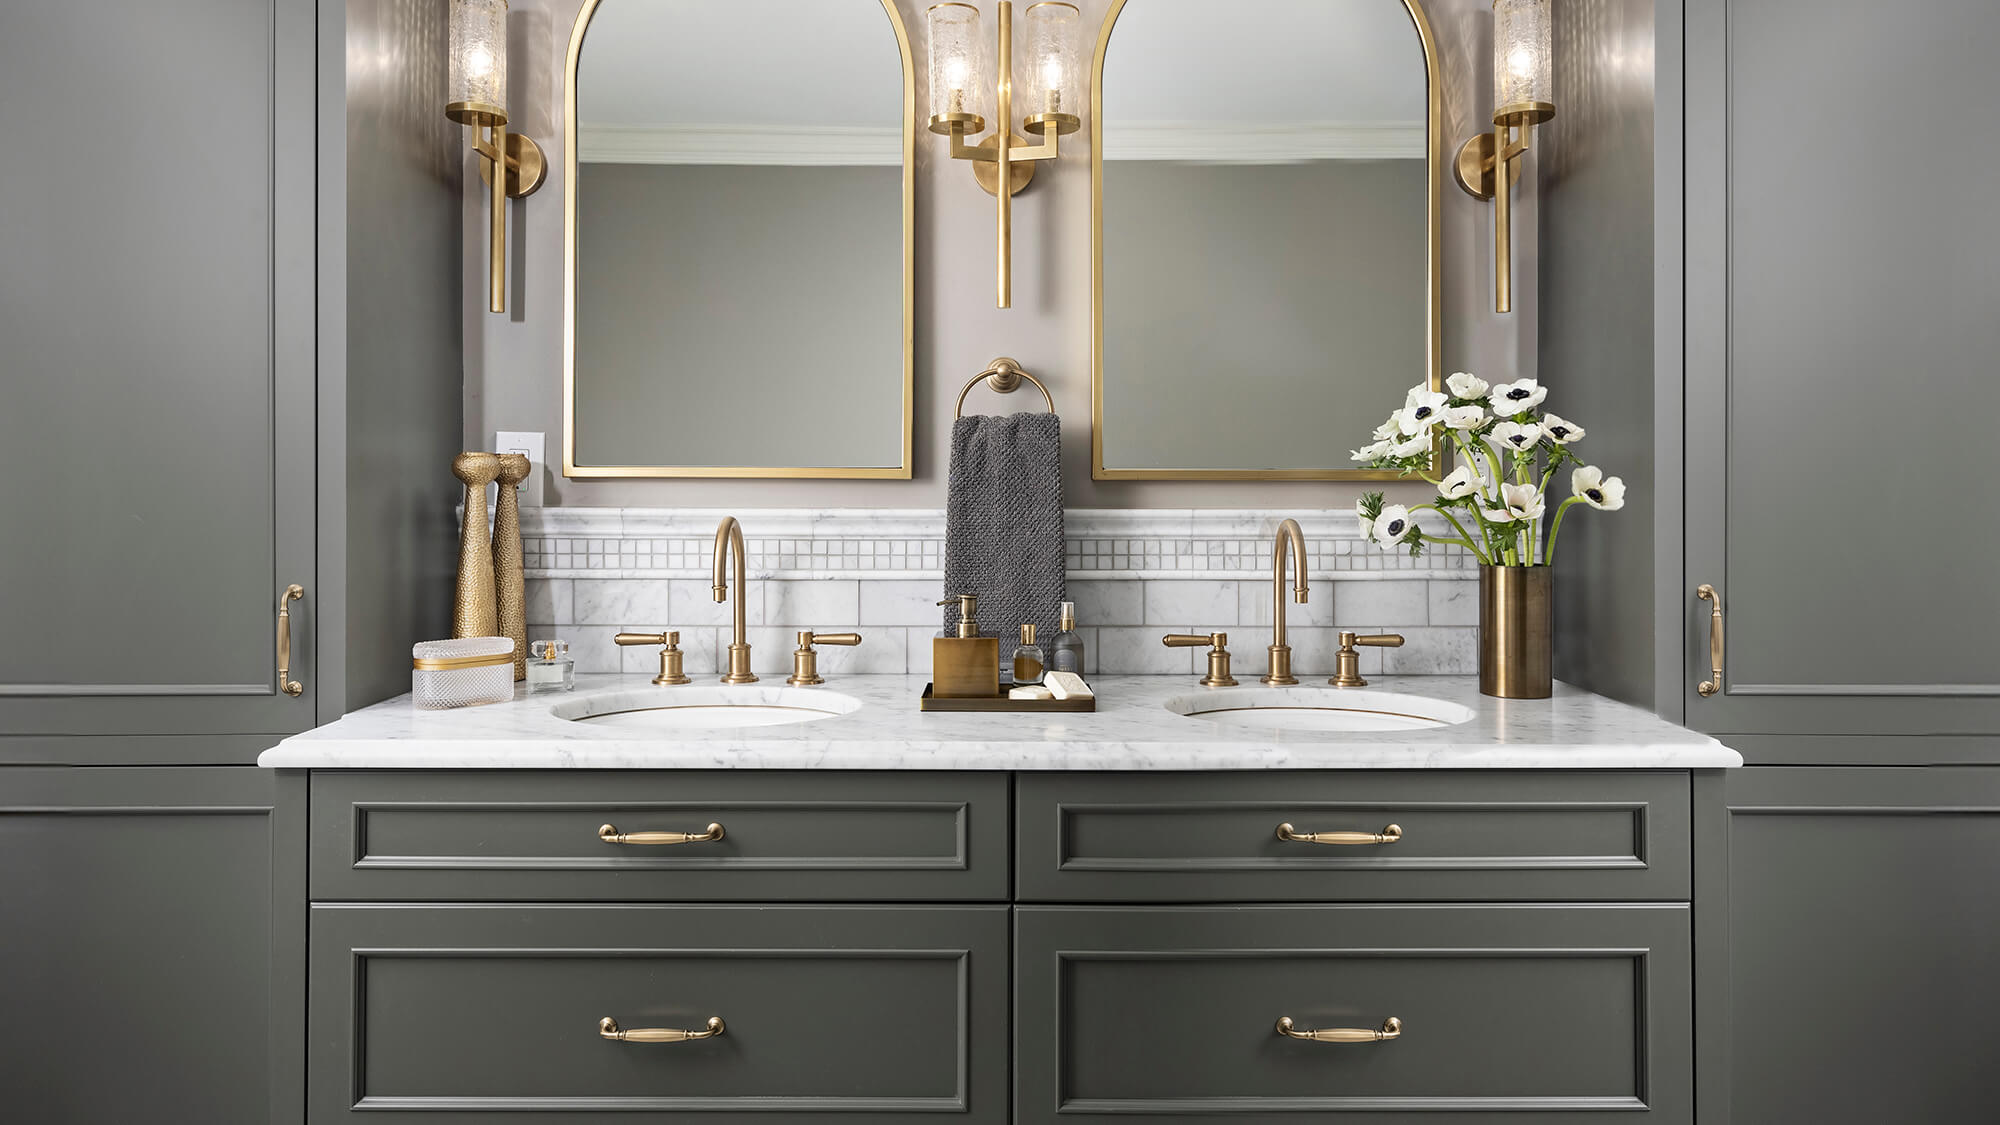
{"x":1514,"y":631}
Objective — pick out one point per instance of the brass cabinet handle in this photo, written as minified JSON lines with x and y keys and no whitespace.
{"x":1392,"y":1028}
{"x":609,"y":834}
{"x":609,"y":1029}
{"x":1709,"y":687}
{"x":1390,"y":834}
{"x":286,"y":684}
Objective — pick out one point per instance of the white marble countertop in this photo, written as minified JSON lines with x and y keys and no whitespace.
{"x":1132,"y":729}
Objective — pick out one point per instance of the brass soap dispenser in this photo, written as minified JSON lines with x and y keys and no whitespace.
{"x":966,"y":666}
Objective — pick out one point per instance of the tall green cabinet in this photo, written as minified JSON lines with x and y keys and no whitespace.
{"x":180,"y":414}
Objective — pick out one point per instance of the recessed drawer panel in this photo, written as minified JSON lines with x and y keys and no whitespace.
{"x":1502,"y":1014}
{"x":536,"y":836}
{"x":482,"y":1013}
{"x":1457,"y":836}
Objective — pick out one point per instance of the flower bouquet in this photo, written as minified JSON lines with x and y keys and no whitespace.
{"x":1507,"y":451}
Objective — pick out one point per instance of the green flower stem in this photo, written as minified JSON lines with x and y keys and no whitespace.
{"x":1465,"y":537}
{"x":1549,"y":550}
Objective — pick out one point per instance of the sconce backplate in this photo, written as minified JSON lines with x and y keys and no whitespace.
{"x":526,"y":166}
{"x":1474,"y":167}
{"x":987,"y":172}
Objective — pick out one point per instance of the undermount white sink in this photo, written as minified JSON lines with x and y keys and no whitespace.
{"x":663,"y":709}
{"x":1324,"y":709}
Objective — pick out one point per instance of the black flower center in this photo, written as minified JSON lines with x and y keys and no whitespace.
{"x":1395,"y":527}
{"x":1594,"y":494}
{"x":1518,"y":439}
{"x":1423,"y":412}
{"x":1517,"y":394}
{"x":1559,"y":431}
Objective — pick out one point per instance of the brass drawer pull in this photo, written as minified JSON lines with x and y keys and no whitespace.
{"x":286,"y":684}
{"x":1391,"y":1028}
{"x":609,"y":834}
{"x":609,"y":1029}
{"x":1390,"y":834}
{"x":1710,"y":686}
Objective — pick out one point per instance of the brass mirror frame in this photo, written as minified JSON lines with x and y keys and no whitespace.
{"x":904,"y":471}
{"x":1434,"y":195}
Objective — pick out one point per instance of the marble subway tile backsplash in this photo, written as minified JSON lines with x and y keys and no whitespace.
{"x":594,"y":572}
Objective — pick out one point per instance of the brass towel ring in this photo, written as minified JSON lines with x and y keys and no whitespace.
{"x":1004,"y":375}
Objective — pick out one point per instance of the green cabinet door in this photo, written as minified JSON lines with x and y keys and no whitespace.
{"x":152,"y":945}
{"x":1839,"y":347}
{"x":458,"y":1014}
{"x":1845,"y":945}
{"x":157,"y":418}
{"x":1503,"y":1015}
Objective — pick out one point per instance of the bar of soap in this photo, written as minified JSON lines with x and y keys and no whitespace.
{"x":1067,"y":685}
{"x":1030,"y":691}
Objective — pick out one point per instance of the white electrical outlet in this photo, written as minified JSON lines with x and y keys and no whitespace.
{"x":528,"y":445}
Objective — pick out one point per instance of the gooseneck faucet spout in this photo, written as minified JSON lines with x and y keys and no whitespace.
{"x":1289,"y":540}
{"x":728,"y":543}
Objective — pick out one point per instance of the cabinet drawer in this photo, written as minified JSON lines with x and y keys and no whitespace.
{"x":533,"y":837}
{"x":1508,"y":1014}
{"x":1466,"y":836}
{"x":476,"y":1013}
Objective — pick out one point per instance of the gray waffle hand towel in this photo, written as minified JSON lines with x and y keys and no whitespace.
{"x":1003,"y":531}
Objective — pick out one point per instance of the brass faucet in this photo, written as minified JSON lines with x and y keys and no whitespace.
{"x":1347,"y":662}
{"x":728,"y":536}
{"x":1289,"y":535}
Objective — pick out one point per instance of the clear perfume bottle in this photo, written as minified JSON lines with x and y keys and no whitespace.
{"x":1029,"y":660}
{"x":550,"y":667}
{"x":1066,"y":650}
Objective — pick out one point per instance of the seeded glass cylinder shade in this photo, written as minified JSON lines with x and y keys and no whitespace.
{"x":478,"y":62}
{"x":957,"y":93}
{"x":1523,"y":81}
{"x":1054,"y":70}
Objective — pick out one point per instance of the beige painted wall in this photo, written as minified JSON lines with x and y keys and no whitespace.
{"x":513,"y":362}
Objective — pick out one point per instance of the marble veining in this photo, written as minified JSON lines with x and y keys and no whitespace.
{"x":1131,"y":730}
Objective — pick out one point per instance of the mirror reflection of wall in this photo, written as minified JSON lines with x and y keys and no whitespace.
{"x":740,"y":245}
{"x":1268,"y":202}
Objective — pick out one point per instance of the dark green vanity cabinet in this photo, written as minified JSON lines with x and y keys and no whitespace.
{"x":986,"y":948}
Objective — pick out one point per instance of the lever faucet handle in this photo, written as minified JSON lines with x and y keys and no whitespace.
{"x":805,"y":662}
{"x":1347,"y":661}
{"x":672,"y":673}
{"x":1218,"y":655}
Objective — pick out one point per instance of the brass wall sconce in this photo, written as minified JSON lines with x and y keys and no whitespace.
{"x":1053,"y":91}
{"x":1523,"y":97}
{"x":511,"y":164}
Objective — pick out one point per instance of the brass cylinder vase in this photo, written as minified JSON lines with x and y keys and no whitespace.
{"x":1515,"y":626}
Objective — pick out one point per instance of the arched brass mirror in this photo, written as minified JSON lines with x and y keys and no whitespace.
{"x":739,"y":200}
{"x":1264,"y":217}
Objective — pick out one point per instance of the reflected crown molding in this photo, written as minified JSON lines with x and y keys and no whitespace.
{"x":817,"y":146}
{"x":1213,"y":142}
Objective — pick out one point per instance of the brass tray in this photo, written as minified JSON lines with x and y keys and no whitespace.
{"x":929,"y":702}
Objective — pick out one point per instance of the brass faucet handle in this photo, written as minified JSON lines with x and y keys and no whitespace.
{"x":1347,"y":661}
{"x":805,"y":662}
{"x":669,"y":639}
{"x":1218,"y":655}
{"x":672,"y":671}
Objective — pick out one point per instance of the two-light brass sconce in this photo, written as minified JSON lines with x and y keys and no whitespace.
{"x":511,"y":164}
{"x":1523,"y":97}
{"x":1053,"y":93}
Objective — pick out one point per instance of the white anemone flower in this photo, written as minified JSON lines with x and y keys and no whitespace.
{"x":1560,"y":431}
{"x":1416,"y":446}
{"x":1517,"y":502}
{"x":1390,"y":428}
{"x":1422,"y":411}
{"x":1518,"y":397}
{"x":1518,"y":436}
{"x":1464,"y":418}
{"x":1464,"y":384}
{"x":1373,"y":452}
{"x":1393,"y":525}
{"x":1367,"y":524}
{"x":1597,"y":490}
{"x":1460,"y":483}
